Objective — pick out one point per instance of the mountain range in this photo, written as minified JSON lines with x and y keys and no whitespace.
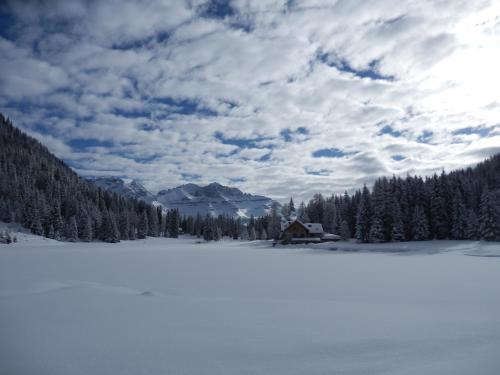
{"x":191,"y":199}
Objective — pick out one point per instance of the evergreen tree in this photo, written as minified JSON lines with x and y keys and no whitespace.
{"x":173,"y":225}
{"x":377,"y":230}
{"x":251,"y":233}
{"x":51,"y":233}
{"x":86,"y":234}
{"x":153,"y":225}
{"x":439,"y":218}
{"x":363,"y":218}
{"x":488,"y":217}
{"x":124,"y":225}
{"x":301,"y":215}
{"x":420,"y":225}
{"x":244,"y":233}
{"x":132,"y":233}
{"x":57,"y":222}
{"x":459,"y":217}
{"x":142,"y":229}
{"x":72,"y":230}
{"x":472,"y":225}
{"x":397,"y":233}
{"x":274,"y":224}
{"x":345,"y":232}
{"x":36,"y":227}
{"x":109,"y":229}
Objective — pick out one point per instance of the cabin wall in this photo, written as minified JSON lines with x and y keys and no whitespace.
{"x":296,"y":230}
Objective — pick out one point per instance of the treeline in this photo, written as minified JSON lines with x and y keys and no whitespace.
{"x":214,"y":229}
{"x":463,"y":204}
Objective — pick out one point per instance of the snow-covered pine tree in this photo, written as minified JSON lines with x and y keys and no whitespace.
{"x":243,"y":232}
{"x":420,"y":226}
{"x":459,"y":217}
{"x":153,"y":226}
{"x":397,"y":233}
{"x":472,"y":232}
{"x":208,"y":227}
{"x":71,"y":230}
{"x":167,"y":223}
{"x":109,"y":230}
{"x":50,"y":232}
{"x":124,"y":225}
{"x":263,"y":234}
{"x":36,"y":223}
{"x":377,"y":230}
{"x":345,"y":232}
{"x":363,"y":218}
{"x":57,"y":222}
{"x":301,"y":215}
{"x":87,"y":233}
{"x":173,"y":224}
{"x":439,"y":218}
{"x":252,"y":236}
{"x":489,"y":219}
{"x":143,"y":226}
{"x":274,"y":224}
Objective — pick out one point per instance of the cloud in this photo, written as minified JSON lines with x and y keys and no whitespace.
{"x":248,"y":93}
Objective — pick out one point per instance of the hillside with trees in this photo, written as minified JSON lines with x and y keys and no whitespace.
{"x":42,"y":193}
{"x":461,"y":205}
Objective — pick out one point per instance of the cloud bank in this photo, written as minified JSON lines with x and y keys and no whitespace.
{"x":275,"y":97}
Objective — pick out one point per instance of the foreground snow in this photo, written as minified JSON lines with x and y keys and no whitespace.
{"x":164,"y":306}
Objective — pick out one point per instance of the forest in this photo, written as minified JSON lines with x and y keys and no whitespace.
{"x":461,"y":205}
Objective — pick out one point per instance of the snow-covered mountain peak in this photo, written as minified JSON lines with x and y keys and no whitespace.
{"x":213,"y":199}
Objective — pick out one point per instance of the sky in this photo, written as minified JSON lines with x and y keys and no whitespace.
{"x":280,"y":98}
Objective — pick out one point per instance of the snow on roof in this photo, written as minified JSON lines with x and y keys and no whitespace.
{"x":314,"y":227}
{"x":311,"y":227}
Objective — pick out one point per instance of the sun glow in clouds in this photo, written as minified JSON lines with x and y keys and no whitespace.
{"x":278,"y":98}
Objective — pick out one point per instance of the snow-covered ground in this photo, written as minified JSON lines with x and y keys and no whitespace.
{"x":161,"y":306}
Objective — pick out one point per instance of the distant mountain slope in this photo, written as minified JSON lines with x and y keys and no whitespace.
{"x":191,"y":199}
{"x":131,"y":189}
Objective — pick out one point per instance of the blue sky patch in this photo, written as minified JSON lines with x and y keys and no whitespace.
{"x":479,"y":130}
{"x":240,"y":142}
{"x":265,"y":157}
{"x":425,"y":137}
{"x":190,"y":176}
{"x":390,"y":131}
{"x":159,"y":37}
{"x":329,"y":153}
{"x":186,"y":107}
{"x":236,"y":180}
{"x":218,"y":9}
{"x":398,"y":157}
{"x":322,"y":172}
{"x":80,"y":143}
{"x":343,"y":65}
{"x":6,"y":22}
{"x":288,"y":134}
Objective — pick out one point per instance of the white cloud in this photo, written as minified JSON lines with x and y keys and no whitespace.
{"x":157,"y":82}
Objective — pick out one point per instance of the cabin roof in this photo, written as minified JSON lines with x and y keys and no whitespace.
{"x":311,"y":227}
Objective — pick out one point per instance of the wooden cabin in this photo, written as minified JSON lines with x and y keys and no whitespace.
{"x":299,"y":232}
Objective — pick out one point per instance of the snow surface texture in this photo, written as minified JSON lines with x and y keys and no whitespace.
{"x":165,"y":306}
{"x":191,"y":199}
